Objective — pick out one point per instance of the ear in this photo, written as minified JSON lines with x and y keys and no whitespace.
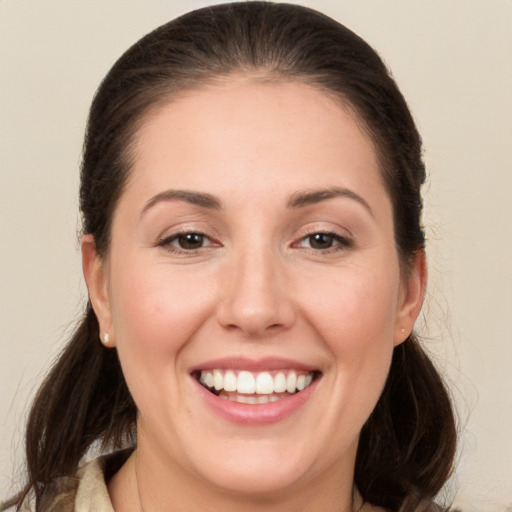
{"x":96,"y":278}
{"x":411,"y":299}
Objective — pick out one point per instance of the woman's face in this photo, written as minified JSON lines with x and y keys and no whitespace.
{"x":253,"y":249}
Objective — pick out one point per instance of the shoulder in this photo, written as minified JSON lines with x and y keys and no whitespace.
{"x":87,"y":490}
{"x":92,"y":493}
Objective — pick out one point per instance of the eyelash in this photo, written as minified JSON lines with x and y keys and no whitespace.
{"x":166,"y":242}
{"x":338,"y":242}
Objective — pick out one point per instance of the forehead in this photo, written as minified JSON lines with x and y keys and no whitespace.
{"x":245,"y":135}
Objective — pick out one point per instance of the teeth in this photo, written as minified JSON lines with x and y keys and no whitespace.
{"x":280,"y":383}
{"x":252,"y":399}
{"x":246,"y":383}
{"x":218,"y":381}
{"x":230,"y":381}
{"x":262,"y":383}
{"x":291,"y":382}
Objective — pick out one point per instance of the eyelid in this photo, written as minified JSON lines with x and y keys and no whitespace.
{"x":345,"y":241}
{"x":166,"y":241}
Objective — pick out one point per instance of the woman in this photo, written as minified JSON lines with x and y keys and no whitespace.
{"x":255,"y":263}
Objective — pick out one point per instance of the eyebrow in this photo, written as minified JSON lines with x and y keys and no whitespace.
{"x":309,"y":197}
{"x":296,"y":200}
{"x":197,"y":198}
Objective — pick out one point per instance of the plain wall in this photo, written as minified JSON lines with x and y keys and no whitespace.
{"x":452,"y":59}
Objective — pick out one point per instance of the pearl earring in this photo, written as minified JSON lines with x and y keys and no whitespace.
{"x":403,"y":331}
{"x":106,"y":338}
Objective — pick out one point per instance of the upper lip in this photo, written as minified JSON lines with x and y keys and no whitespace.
{"x":253,"y":365}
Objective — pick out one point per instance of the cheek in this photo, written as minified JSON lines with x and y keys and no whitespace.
{"x":355,"y":310}
{"x":355,"y":317}
{"x":155,"y":316}
{"x":156,"y":311}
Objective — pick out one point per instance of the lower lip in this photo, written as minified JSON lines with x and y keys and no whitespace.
{"x":256,"y":414}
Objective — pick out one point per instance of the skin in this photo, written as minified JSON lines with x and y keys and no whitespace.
{"x":256,"y":288}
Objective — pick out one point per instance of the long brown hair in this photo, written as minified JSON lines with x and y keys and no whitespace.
{"x":407,"y":446}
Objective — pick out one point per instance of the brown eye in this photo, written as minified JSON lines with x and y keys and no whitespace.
{"x":321,"y":241}
{"x":327,"y":242}
{"x":190,"y":241}
{"x":186,"y":242}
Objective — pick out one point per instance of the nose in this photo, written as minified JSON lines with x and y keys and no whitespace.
{"x":256,"y":297}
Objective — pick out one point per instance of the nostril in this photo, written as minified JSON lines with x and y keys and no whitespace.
{"x":256,"y":302}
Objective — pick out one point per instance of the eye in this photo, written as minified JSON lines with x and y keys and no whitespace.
{"x":190,"y":241}
{"x":185,"y":242}
{"x":324,"y":241}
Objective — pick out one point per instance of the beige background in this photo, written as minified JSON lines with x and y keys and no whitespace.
{"x":452,"y":60}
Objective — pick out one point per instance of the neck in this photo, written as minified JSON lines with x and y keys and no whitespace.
{"x":149,"y":493}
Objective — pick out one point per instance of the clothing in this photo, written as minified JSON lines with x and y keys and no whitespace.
{"x":92,"y":494}
{"x":87,"y":490}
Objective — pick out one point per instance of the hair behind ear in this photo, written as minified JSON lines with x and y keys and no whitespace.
{"x":408,"y":444}
{"x":83,"y":399}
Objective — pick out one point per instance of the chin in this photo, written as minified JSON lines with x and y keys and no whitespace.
{"x":263,"y":479}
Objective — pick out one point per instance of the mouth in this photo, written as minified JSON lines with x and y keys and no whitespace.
{"x":255,"y":387}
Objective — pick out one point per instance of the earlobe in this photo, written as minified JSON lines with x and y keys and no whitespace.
{"x":411,"y":300}
{"x":97,"y":284}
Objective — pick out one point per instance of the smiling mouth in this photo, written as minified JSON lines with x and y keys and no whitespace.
{"x":255,"y":387}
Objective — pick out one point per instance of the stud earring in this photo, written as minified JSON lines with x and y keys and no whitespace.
{"x":106,"y":338}
{"x":403,"y":331}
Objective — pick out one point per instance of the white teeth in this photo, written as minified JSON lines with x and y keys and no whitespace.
{"x":280,"y":383}
{"x":251,"y":399}
{"x":218,"y":381}
{"x":229,"y":381}
{"x":246,"y":383}
{"x":264,"y":384}
{"x":291,"y":382}
{"x":260,"y":383}
{"x":246,"y":399}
